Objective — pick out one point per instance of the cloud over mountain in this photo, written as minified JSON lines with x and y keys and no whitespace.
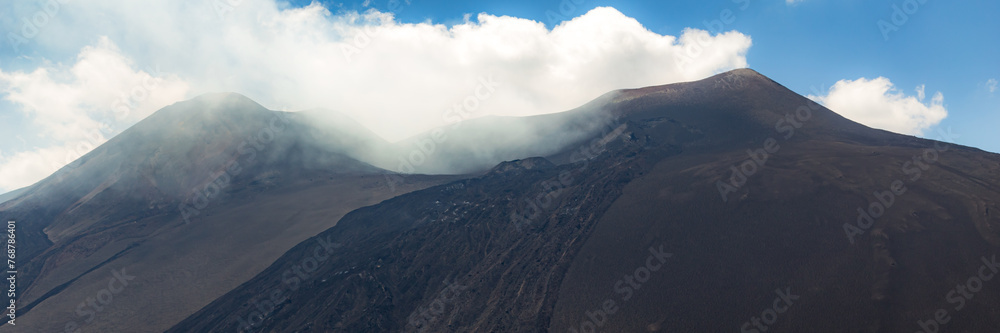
{"x":398,"y":79}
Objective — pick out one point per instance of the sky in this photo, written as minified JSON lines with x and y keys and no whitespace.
{"x":75,"y":73}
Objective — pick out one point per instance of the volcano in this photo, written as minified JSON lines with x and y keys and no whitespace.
{"x":726,"y":204}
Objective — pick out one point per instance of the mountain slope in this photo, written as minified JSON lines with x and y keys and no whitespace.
{"x":647,"y":227}
{"x":192,"y":201}
{"x":12,"y":194}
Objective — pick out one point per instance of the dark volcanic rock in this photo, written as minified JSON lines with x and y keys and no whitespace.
{"x":529,"y":249}
{"x":517,"y":166}
{"x":476,"y":236}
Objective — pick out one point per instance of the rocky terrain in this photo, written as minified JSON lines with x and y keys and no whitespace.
{"x":727,"y":204}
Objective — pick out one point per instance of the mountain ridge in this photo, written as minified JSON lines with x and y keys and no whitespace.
{"x":526,"y":237}
{"x":561,"y":249}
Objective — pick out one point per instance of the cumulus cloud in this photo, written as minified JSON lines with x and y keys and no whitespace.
{"x":991,"y":85}
{"x":398,"y":79}
{"x":877,"y":103}
{"x":69,"y":102}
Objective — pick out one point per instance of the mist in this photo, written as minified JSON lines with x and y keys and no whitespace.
{"x":464,"y":146}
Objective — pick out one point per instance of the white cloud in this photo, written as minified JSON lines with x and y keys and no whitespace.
{"x":877,"y":103}
{"x":79,"y":107}
{"x":68,"y":101}
{"x":991,"y":85}
{"x":396,"y":78}
{"x":792,"y":2}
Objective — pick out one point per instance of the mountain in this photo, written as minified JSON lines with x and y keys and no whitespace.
{"x":12,"y":194}
{"x":182,"y":207}
{"x":726,"y":204}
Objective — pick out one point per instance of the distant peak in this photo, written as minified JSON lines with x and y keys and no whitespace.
{"x":223,"y":96}
{"x":215,"y":102}
{"x":734,"y":80}
{"x":209,"y":108}
{"x":744,"y":72}
{"x":740,"y":75}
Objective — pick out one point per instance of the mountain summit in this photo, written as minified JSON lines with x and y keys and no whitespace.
{"x":212,"y":189}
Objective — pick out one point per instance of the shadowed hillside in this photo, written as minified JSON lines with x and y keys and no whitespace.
{"x":726,"y":204}
{"x":192,"y":201}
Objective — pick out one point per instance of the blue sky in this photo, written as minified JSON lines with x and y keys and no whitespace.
{"x":65,"y":88}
